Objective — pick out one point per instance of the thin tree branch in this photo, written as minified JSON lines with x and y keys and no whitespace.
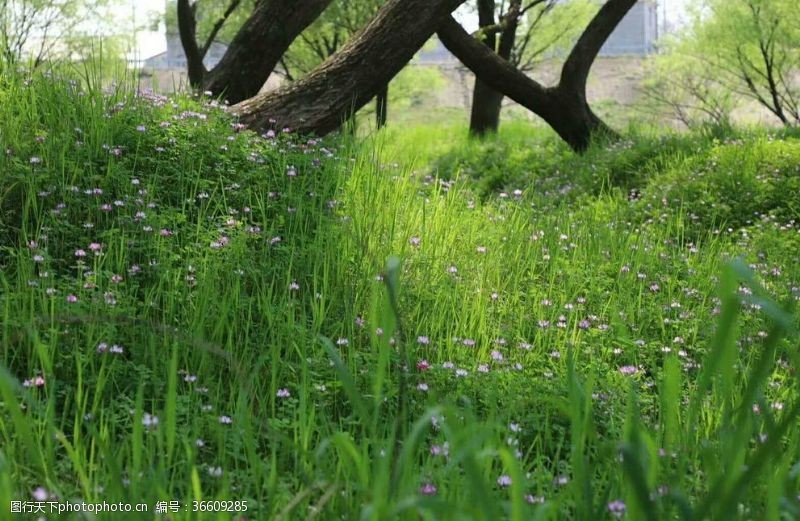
{"x":217,"y":26}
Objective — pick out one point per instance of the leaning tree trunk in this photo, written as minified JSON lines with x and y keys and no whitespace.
{"x":382,"y":106}
{"x":563,"y":107}
{"x":336,"y":89}
{"x":486,"y":101}
{"x":255,"y":50}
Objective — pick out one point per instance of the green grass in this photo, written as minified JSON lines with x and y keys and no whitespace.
{"x":340,"y":330}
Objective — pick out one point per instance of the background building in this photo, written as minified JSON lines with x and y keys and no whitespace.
{"x":636,"y":34}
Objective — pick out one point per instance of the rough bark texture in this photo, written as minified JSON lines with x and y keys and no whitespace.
{"x":187,"y":27}
{"x":487,"y":102}
{"x":382,"y":106}
{"x":255,"y":50}
{"x":563,"y":107}
{"x":319,"y":102}
{"x":482,"y":118}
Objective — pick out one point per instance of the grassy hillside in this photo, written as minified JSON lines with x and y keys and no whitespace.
{"x":414,"y":326}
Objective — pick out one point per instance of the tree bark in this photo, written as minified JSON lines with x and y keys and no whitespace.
{"x":563,"y":107}
{"x":336,"y":89}
{"x":487,"y":102}
{"x":187,"y":27}
{"x":485,"y":115}
{"x":255,"y":50}
{"x":575,"y":71}
{"x":381,"y":106}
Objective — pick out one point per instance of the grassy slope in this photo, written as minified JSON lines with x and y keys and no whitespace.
{"x":544,"y":331}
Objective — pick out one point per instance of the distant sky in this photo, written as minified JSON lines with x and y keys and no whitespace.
{"x":151,"y":43}
{"x":148,"y":43}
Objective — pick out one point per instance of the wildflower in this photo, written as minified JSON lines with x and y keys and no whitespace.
{"x":225,"y":420}
{"x":116,"y":279}
{"x":428,"y":489}
{"x":283,"y":393}
{"x":342,"y":342}
{"x":35,"y":160}
{"x":617,"y":508}
{"x":166,"y":232}
{"x":38,"y":258}
{"x":215,"y":472}
{"x":294,"y":286}
{"x":40,"y":494}
{"x":497,"y":356}
{"x":36,"y":381}
{"x":199,"y":443}
{"x":72,"y":298}
{"x":149,"y":420}
{"x":452,"y":269}
{"x":423,"y":340}
{"x":415,"y":241}
{"x":423,"y":365}
{"x":483,"y":368}
{"x":628,"y":369}
{"x":80,"y":253}
{"x":504,"y":481}
{"x":534,"y":500}
{"x":423,"y":387}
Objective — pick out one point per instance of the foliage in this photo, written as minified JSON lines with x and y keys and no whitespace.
{"x":33,"y":31}
{"x":550,"y":29}
{"x":208,"y":14}
{"x":193,"y":312}
{"x":336,"y":25}
{"x":752,"y":47}
{"x":677,"y":86}
{"x":519,"y":159}
{"x":732,"y":185}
